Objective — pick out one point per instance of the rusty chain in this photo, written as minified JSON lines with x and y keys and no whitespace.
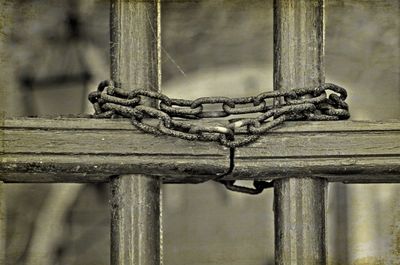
{"x":324,"y":102}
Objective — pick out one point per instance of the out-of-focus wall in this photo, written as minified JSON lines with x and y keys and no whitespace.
{"x":363,"y":54}
{"x":210,"y":47}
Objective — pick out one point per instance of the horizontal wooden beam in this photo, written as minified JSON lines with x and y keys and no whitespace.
{"x":342,"y":151}
{"x":90,"y":150}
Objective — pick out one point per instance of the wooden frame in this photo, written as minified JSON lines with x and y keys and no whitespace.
{"x":301,"y":156}
{"x":91,"y":150}
{"x":135,"y":198}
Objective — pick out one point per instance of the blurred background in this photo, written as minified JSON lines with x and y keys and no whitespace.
{"x":53,"y":53}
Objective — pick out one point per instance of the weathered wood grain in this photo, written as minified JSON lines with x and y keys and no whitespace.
{"x":299,"y":201}
{"x":91,"y":150}
{"x":298,"y":43}
{"x":299,"y":208}
{"x":136,"y":44}
{"x":135,"y":215}
{"x":135,"y":200}
{"x":338,"y":153}
{"x":2,"y":225}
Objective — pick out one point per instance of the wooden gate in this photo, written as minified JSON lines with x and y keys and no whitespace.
{"x":301,"y":157}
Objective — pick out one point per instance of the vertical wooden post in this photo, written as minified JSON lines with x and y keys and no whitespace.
{"x":2,"y":226}
{"x":299,"y":202}
{"x":136,"y":199}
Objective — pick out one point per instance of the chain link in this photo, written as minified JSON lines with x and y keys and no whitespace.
{"x":324,"y":102}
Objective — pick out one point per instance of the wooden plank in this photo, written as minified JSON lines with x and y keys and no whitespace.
{"x":91,"y":150}
{"x":2,"y":225}
{"x":299,"y":201}
{"x":76,"y":123}
{"x":136,"y":199}
{"x":344,"y":151}
{"x":135,"y":215}
{"x":299,"y":208}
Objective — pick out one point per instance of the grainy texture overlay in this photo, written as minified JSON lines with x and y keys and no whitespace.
{"x":136,"y":199}
{"x":298,"y":62}
{"x":209,"y":48}
{"x":91,"y":150}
